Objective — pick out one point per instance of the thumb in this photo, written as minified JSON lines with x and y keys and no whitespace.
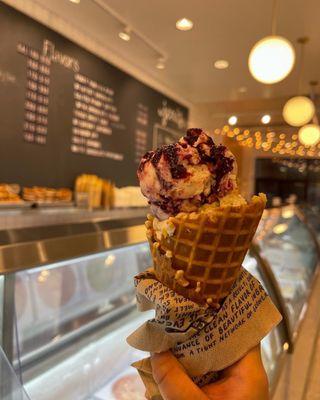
{"x":173,"y":382}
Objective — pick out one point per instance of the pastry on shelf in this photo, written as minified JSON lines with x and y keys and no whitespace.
{"x":9,"y":194}
{"x":39,"y":194}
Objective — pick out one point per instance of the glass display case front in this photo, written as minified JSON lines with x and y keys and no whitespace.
{"x":71,"y":317}
{"x":312,"y":214}
{"x":289,"y":247}
{"x":57,"y":308}
{"x":273,"y":345}
{"x":10,"y":387}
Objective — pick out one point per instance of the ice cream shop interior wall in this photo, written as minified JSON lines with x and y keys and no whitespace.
{"x":235,"y":69}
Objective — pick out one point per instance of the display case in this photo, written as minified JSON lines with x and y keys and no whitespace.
{"x":312,"y":217}
{"x":291,"y":253}
{"x":275,"y":344}
{"x":10,"y":387}
{"x":69,"y":304}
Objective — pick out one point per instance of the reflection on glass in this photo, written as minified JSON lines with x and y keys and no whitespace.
{"x":313,"y":216}
{"x":250,"y":264}
{"x":271,"y":344}
{"x":280,"y":228}
{"x":10,"y":387}
{"x":288,"y":246}
{"x":287,"y":213}
{"x":109,"y":260}
{"x":58,"y":299}
{"x":271,"y":350}
{"x":43,"y":276}
{"x":20,"y":297}
{"x":56,"y":287}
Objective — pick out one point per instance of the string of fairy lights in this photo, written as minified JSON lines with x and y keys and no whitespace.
{"x":269,"y":141}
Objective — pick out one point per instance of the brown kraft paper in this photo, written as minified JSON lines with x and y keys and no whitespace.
{"x":203,"y":339}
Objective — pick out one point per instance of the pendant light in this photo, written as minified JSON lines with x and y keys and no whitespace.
{"x":272,"y":58}
{"x":309,"y":135}
{"x":299,"y":110}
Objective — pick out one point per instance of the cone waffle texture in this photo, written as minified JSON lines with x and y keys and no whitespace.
{"x":202,"y":258}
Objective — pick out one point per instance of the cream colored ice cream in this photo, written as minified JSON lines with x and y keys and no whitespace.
{"x":183,"y":176}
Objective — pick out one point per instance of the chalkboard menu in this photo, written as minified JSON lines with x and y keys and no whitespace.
{"x":65,"y":111}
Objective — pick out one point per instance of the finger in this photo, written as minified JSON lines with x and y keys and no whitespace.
{"x":173,"y":382}
{"x":246,"y":379}
{"x":245,"y":365}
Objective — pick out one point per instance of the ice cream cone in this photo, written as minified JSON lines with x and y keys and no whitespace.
{"x":201,"y":257}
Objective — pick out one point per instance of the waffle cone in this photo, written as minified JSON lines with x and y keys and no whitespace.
{"x":202,"y":258}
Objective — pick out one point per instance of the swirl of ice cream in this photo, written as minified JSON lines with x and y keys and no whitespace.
{"x":183,"y":176}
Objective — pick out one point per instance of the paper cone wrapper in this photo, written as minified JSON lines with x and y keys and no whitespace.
{"x":202,"y":258}
{"x":203,"y":339}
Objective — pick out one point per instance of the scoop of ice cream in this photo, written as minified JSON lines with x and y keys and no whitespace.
{"x":185,"y":175}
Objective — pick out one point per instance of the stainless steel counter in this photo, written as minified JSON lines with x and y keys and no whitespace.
{"x":25,"y":248}
{"x":27,"y":217}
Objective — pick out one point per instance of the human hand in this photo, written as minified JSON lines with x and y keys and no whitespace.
{"x":244,"y":380}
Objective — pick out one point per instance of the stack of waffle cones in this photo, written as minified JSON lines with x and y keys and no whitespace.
{"x":201,"y":255}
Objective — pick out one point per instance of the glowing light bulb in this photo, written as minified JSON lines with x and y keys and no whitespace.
{"x":298,"y":110}
{"x":309,"y":135}
{"x":271,"y":59}
{"x":232,"y":120}
{"x":266,"y":119}
{"x":221,"y":64}
{"x":184,"y":24}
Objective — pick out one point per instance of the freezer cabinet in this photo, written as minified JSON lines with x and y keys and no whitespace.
{"x":291,"y":251}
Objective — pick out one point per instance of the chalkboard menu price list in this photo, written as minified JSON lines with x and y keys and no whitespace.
{"x":93,"y":115}
{"x":35,"y":126}
{"x":65,"y":107}
{"x":141,"y":132}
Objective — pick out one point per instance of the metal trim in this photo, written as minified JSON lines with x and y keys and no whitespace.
{"x":28,"y":360}
{"x":267,"y":271}
{"x":32,"y":248}
{"x":8,"y":316}
{"x":2,"y":280}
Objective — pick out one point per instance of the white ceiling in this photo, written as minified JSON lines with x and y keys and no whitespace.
{"x":222,"y":29}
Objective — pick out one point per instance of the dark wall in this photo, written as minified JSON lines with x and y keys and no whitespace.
{"x":282,"y":177}
{"x":65,"y":111}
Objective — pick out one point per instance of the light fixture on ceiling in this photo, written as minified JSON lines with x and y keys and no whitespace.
{"x":221,"y":64}
{"x":232,"y":120}
{"x":184,"y":24}
{"x":266,"y":119}
{"x":133,"y":31}
{"x":161,"y":63}
{"x":75,"y":1}
{"x":125,"y":34}
{"x":272,"y":58}
{"x":298,"y":110}
{"x":309,"y":135}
